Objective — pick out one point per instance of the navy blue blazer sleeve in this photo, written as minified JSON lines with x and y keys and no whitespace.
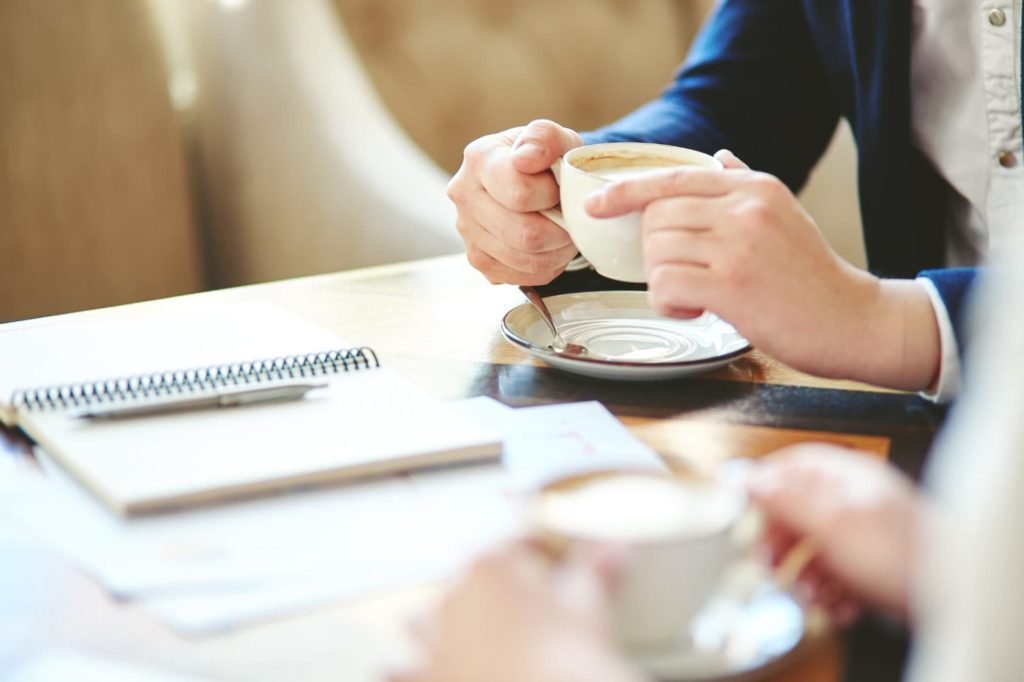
{"x":753,"y":83}
{"x":954,"y":285}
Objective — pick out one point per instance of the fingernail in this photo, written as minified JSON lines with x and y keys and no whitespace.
{"x":529,"y":150}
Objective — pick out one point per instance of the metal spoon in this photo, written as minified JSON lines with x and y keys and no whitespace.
{"x":558,"y":344}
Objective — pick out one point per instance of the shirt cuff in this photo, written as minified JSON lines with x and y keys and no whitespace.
{"x":947,"y":384}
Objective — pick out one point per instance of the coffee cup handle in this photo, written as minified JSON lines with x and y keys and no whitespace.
{"x":555,"y":214}
{"x":750,"y":528}
{"x":747,"y":535}
{"x":748,"y":531}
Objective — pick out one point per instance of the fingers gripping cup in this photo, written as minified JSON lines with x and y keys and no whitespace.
{"x":680,"y":540}
{"x":612,"y":245}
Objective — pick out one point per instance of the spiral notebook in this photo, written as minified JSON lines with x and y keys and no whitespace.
{"x":366,"y":419}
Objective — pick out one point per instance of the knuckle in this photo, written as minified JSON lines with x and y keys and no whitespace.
{"x":550,"y":135}
{"x":734,"y":271}
{"x":532,"y":236}
{"x":660,"y":285}
{"x":463,"y":228}
{"x":767,"y":185}
{"x":520,"y":196}
{"x":658,"y":214}
{"x":476,"y":149}
{"x":543,"y":127}
{"x":455,"y":190}
{"x":754,"y":212}
{"x":479,"y":261}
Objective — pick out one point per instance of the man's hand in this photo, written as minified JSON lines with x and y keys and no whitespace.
{"x":504,"y":180}
{"x":739,"y":243}
{"x":862,"y":516}
{"x":518,"y":616}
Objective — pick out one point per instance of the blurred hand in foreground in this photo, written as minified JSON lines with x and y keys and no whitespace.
{"x":517,"y":616}
{"x":859,"y":514}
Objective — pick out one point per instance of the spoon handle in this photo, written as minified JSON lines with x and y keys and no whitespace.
{"x":538,"y":303}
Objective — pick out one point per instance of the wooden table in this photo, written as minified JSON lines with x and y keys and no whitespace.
{"x":437,"y":322}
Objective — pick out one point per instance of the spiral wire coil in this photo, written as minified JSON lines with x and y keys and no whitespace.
{"x":194,"y":381}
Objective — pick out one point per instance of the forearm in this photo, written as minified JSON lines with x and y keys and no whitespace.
{"x":670,"y":119}
{"x":762,"y":94}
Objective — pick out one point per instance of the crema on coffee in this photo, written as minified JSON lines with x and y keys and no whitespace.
{"x":631,"y":507}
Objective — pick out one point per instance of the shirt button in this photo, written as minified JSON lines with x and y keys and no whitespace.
{"x":1007,"y":159}
{"x":996,"y":17}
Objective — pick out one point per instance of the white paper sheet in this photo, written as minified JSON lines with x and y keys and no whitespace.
{"x":551,"y":441}
{"x":214,"y":569}
{"x":72,"y":666}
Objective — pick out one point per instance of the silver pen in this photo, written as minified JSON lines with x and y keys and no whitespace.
{"x":231,"y":397}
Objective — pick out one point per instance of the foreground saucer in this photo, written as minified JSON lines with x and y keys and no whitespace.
{"x":737,"y":633}
{"x":624,"y":338}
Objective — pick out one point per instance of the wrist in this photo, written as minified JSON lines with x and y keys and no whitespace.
{"x":883,"y":332}
{"x":901,"y":347}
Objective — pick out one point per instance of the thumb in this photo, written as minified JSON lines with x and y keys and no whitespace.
{"x":540,"y":144}
{"x":729,"y":160}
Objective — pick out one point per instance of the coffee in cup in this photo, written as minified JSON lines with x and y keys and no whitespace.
{"x":680,"y":538}
{"x":612,"y":245}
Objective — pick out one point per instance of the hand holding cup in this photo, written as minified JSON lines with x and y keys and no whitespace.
{"x":503,"y":182}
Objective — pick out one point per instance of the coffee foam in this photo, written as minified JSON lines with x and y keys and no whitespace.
{"x":629,"y":171}
{"x":616,"y":167}
{"x":595,"y":164}
{"x":624,"y":507}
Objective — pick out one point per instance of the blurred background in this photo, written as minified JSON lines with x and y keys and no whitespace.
{"x":158,"y":147}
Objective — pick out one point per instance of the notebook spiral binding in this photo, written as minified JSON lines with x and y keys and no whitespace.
{"x":195,"y":381}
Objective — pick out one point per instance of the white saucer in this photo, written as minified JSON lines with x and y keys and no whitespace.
{"x":739,"y":631}
{"x":624,"y":338}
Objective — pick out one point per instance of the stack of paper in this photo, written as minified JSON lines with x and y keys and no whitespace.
{"x":215,"y":568}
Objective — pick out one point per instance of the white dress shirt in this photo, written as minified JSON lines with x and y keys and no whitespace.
{"x":966,"y":119}
{"x":969,"y":606}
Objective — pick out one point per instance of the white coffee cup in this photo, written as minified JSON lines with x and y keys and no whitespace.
{"x":681,"y":540}
{"x":612,"y":245}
